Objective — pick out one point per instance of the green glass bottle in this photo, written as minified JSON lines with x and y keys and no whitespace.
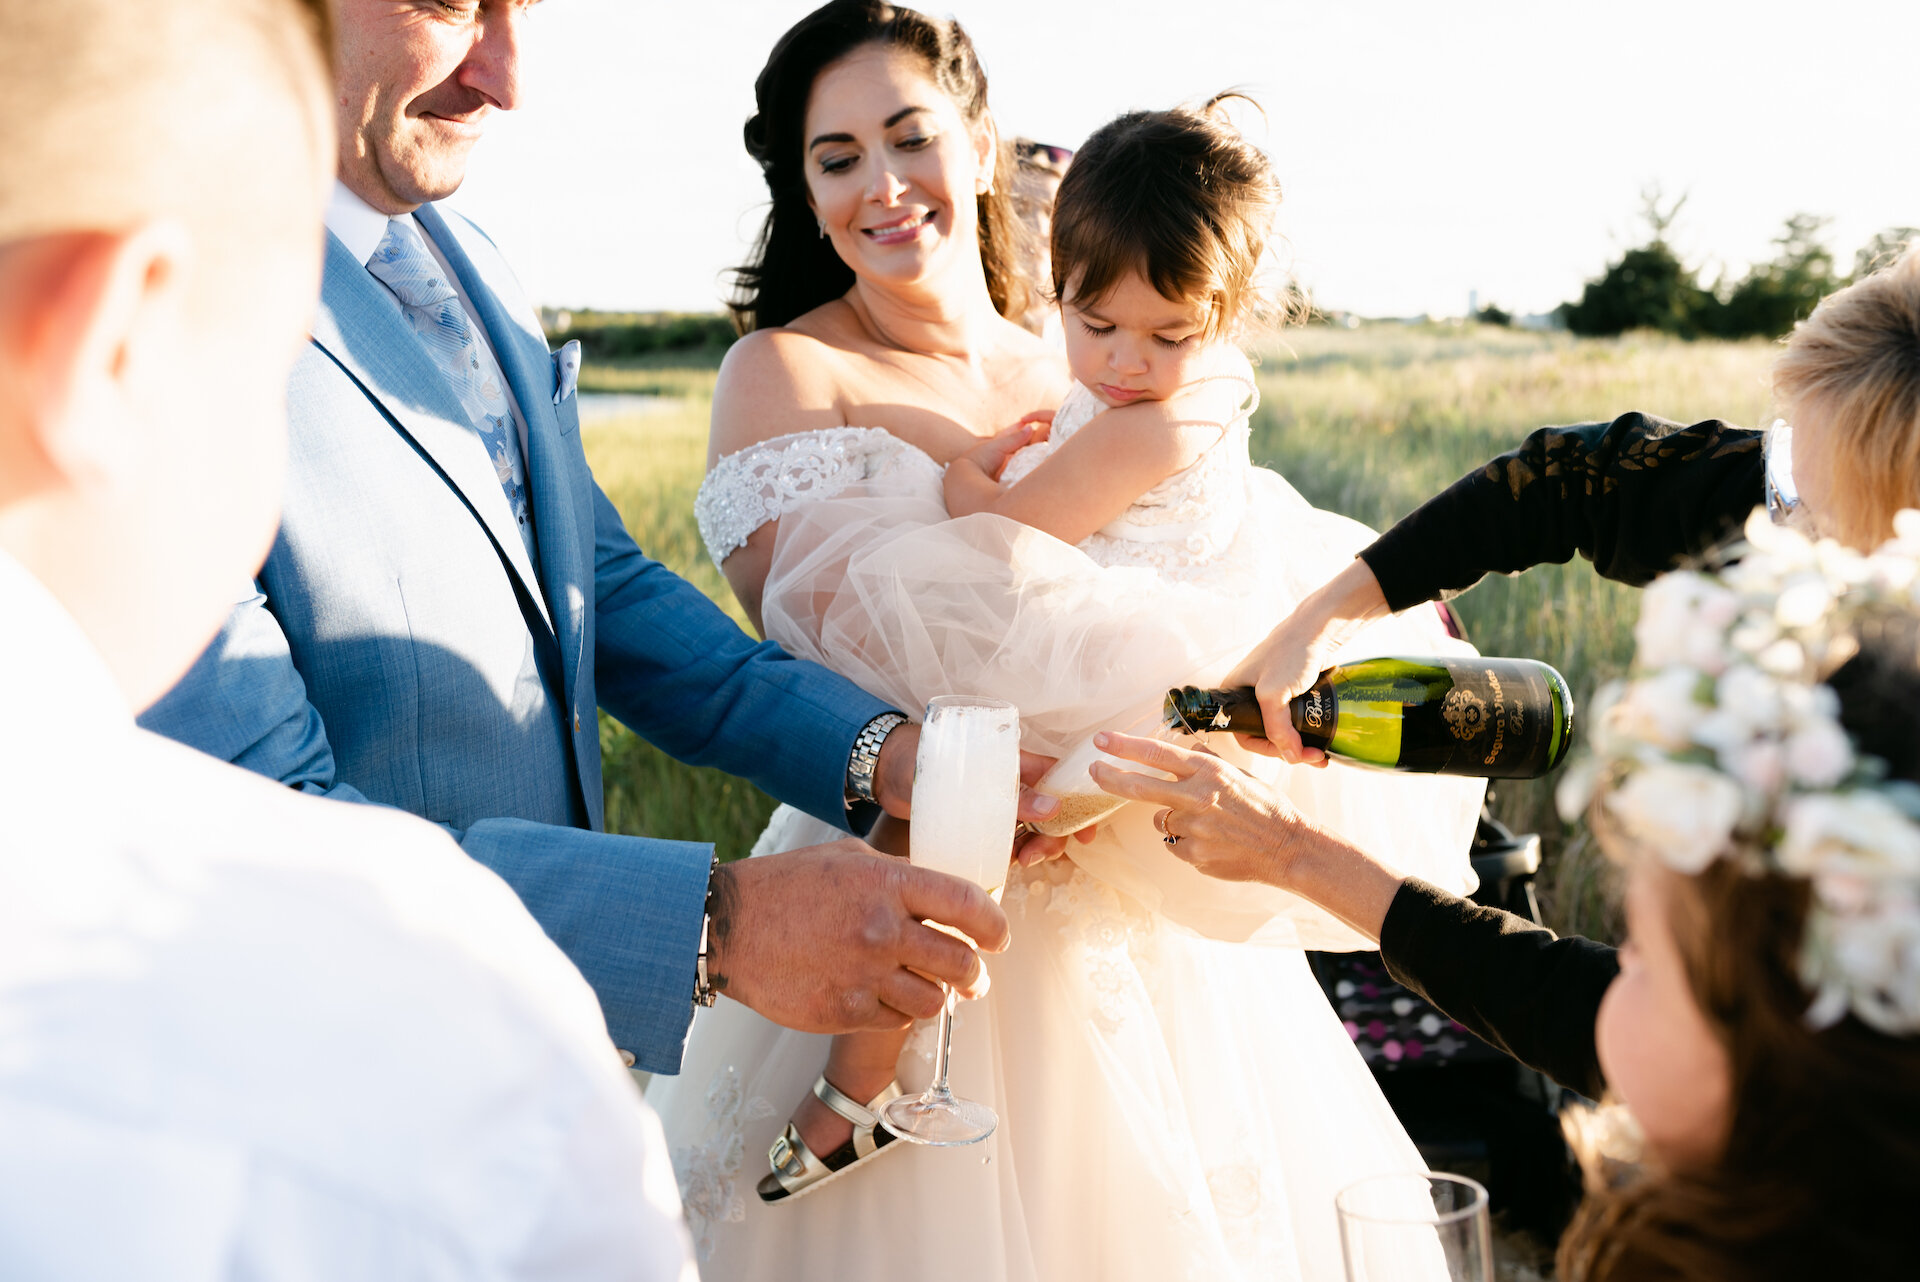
{"x":1492,"y":718}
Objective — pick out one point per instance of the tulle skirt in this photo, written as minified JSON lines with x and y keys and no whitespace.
{"x":1176,"y":1097}
{"x":1171,"y":1107}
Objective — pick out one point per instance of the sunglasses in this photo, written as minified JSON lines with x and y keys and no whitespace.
{"x":1044,"y":154}
{"x":1783,"y":497}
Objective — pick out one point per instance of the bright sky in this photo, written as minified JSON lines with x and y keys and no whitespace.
{"x":1426,"y":149}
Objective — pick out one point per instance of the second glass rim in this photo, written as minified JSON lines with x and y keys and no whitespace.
{"x":967,"y":701}
{"x":1437,"y":1220}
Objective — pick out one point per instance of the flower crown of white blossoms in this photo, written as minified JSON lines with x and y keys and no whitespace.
{"x":1725,"y":744}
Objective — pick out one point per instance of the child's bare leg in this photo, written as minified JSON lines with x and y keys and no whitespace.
{"x":860,"y":1065}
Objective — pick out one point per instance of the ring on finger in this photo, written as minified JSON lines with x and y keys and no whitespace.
{"x":1160,"y":821}
{"x":1166,"y":833}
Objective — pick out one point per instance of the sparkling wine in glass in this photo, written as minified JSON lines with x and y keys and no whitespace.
{"x":1083,"y":802}
{"x":966,"y":799}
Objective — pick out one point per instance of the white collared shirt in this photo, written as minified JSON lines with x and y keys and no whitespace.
{"x":360,"y":227}
{"x":250,"y":1033}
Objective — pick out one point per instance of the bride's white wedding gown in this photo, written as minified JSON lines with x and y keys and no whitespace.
{"x":1176,"y":1097}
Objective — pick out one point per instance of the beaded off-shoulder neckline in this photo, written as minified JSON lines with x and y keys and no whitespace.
{"x":754,"y":485}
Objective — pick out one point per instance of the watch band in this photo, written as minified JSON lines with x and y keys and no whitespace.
{"x":703,"y":994}
{"x":866,"y":756}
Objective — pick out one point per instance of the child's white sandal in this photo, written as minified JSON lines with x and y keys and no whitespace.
{"x":798,"y":1171}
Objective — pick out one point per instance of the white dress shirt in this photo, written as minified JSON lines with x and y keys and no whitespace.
{"x":246,"y":1033}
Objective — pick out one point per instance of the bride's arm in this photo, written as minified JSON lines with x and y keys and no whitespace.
{"x":746,"y":573}
{"x":773,"y":382}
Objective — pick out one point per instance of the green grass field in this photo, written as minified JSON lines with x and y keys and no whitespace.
{"x":1367,"y":422}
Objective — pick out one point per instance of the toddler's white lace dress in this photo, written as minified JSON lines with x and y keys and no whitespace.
{"x":1176,"y":1097}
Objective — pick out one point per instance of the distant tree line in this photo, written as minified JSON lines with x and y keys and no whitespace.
{"x":1649,"y":287}
{"x":605,"y":335}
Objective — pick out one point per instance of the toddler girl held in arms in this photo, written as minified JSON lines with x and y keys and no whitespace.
{"x":1153,"y":434}
{"x":1151,"y":1034}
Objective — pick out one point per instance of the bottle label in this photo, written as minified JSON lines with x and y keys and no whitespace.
{"x":1494,"y":718}
{"x":1315,"y":714}
{"x":1487,"y":714}
{"x":1466,"y":714}
{"x":1499,"y":720}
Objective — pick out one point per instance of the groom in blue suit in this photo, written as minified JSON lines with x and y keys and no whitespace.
{"x":451,"y":597}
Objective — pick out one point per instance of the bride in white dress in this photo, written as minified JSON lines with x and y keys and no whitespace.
{"x":1176,"y":1097}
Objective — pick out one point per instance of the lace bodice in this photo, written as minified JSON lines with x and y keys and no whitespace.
{"x":747,"y":489}
{"x":1182,"y":525}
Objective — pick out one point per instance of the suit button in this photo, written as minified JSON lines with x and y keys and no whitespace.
{"x":626,"y":1057}
{"x":576,"y":723}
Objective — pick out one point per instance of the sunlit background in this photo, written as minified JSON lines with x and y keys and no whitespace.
{"x":1429,"y":152}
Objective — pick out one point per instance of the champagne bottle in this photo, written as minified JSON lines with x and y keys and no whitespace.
{"x":1493,"y":718}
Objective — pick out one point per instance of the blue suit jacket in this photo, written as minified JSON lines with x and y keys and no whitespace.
{"x":403,"y":649}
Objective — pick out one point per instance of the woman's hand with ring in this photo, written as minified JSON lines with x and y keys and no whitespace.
{"x":1214,"y":815}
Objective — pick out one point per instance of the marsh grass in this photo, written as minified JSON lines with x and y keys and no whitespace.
{"x":675,"y":374}
{"x":1368,"y":422}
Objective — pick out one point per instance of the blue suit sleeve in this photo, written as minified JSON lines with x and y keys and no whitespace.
{"x":672,"y":666}
{"x":625,"y":910}
{"x":243,"y":701}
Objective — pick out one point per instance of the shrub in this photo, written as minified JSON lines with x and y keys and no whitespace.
{"x":1648,"y":288}
{"x":612,"y":335}
{"x":1775,"y":294}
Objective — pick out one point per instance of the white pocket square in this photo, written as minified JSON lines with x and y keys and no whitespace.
{"x":566,"y":365}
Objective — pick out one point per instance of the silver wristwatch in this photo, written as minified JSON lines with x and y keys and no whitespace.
{"x":866,"y":756}
{"x":703,"y":992}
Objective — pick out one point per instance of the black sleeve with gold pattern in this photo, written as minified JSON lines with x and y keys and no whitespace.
{"x":1636,"y":496}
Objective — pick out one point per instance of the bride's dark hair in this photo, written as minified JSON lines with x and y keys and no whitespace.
{"x":793,"y":269}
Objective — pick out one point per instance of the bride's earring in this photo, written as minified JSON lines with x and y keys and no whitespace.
{"x":821,"y":223}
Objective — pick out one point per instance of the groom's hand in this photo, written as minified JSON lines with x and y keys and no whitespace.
{"x":831,"y":939}
{"x":893,"y":783}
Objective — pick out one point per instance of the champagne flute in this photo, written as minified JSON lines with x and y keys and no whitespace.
{"x":1427,"y":1226}
{"x":1083,"y":802}
{"x":966,"y":799}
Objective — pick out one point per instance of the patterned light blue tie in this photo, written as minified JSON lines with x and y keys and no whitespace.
{"x":432,"y":307}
